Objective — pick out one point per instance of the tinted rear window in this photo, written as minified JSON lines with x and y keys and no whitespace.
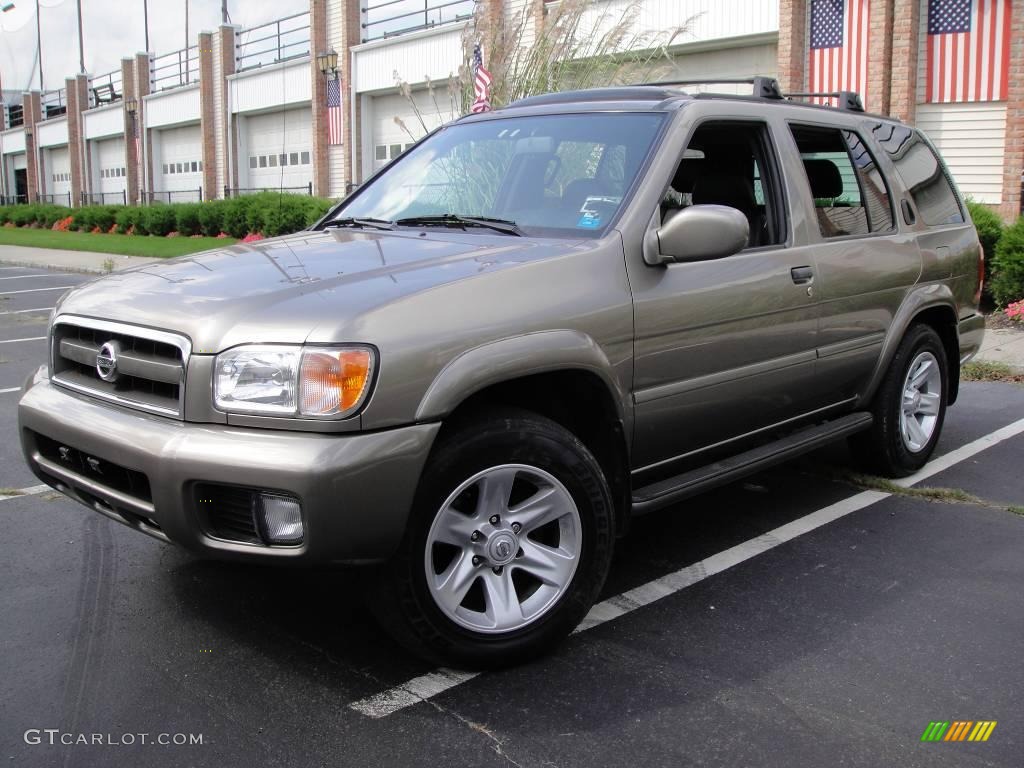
{"x":923,"y":174}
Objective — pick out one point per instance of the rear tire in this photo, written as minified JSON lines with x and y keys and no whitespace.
{"x":507,"y":546}
{"x":909,"y":407}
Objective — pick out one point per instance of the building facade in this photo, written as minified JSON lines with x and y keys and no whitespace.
{"x":264,"y":108}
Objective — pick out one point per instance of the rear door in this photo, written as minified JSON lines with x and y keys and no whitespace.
{"x":724,"y":347}
{"x":864,"y":264}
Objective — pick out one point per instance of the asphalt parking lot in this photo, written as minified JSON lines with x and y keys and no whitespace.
{"x":794,"y":619}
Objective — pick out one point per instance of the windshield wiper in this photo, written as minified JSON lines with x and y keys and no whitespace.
{"x":454,"y":220}
{"x":364,"y":223}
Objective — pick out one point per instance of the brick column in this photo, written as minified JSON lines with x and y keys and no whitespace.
{"x":318,"y":45}
{"x":906,"y":29}
{"x":1013,"y":154}
{"x":142,"y":88}
{"x":228,"y":153}
{"x":75,"y":108}
{"x":351,"y":35}
{"x":793,"y":44}
{"x":880,"y":45}
{"x":30,"y":105}
{"x":207,"y":115}
{"x":131,"y":160}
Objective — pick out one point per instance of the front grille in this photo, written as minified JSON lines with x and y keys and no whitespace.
{"x":150,"y":367}
{"x":105,"y":473}
{"x":227,"y":512}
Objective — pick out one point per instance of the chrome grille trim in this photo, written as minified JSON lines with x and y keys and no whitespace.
{"x":139,"y":366}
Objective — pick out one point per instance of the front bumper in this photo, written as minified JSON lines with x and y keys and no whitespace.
{"x":356,"y":490}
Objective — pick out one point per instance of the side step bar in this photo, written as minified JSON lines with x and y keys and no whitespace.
{"x":666,"y":492}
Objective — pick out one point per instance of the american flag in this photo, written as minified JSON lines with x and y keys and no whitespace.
{"x":839,"y":46}
{"x":334,"y":111}
{"x":968,"y":50}
{"x":481,"y":83}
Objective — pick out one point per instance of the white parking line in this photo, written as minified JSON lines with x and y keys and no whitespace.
{"x":22,"y":277}
{"x":21,"y":492}
{"x":14,"y":341}
{"x":427,"y":686}
{"x":23,"y":311}
{"x":37,"y":290}
{"x":9,"y":389}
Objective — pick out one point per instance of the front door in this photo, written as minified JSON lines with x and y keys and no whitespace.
{"x":724,"y":347}
{"x":21,"y":185}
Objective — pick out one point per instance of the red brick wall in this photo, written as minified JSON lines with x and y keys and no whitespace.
{"x":350,"y":36}
{"x":793,"y":44}
{"x":30,"y":104}
{"x":906,"y":23}
{"x":142,"y":89}
{"x":227,"y":67}
{"x":75,"y":109}
{"x":1013,"y":158}
{"x":131,"y":163}
{"x":880,"y":47}
{"x":318,"y":44}
{"x":207,"y":111}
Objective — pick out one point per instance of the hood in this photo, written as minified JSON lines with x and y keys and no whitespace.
{"x":304,"y":287}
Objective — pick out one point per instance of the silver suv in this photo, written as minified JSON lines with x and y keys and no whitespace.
{"x":533,"y":325}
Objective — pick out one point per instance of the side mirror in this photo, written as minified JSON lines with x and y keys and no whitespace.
{"x":702,"y":232}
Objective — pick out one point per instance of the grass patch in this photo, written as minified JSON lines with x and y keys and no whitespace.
{"x":121,"y":245}
{"x":980,"y":370}
{"x":11,"y":492}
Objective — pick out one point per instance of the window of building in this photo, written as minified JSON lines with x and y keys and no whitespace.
{"x":263,"y":161}
{"x":272,"y":161}
{"x":922,"y":172}
{"x":293,"y":158}
{"x":394,"y":150}
{"x":305,"y":158}
{"x":380,"y":152}
{"x":195,"y":166}
{"x":282,"y":159}
{"x":850,"y":196}
{"x":252,"y":161}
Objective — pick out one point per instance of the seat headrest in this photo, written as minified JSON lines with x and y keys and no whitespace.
{"x":724,"y":189}
{"x":826,"y":182}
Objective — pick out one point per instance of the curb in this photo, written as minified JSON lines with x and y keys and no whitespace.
{"x":82,"y":270}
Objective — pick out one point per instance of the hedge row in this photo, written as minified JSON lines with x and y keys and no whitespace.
{"x":1004,"y":254}
{"x":267,"y":213}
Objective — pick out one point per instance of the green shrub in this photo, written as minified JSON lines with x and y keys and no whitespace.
{"x":233,"y":221}
{"x":159,"y":219}
{"x":990,"y":228}
{"x":104,"y":216}
{"x":211,"y":217}
{"x":5,"y":214}
{"x":49,"y":215}
{"x":1008,"y":265}
{"x":23,"y":215}
{"x":283,"y":220}
{"x":186,"y":218}
{"x":129,"y":218}
{"x":82,"y":219}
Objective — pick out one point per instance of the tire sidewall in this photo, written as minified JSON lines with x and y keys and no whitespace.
{"x":531,"y":441}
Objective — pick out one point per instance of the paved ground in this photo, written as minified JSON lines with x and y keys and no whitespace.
{"x":1003,"y":345}
{"x":69,"y":261}
{"x":813,"y":645}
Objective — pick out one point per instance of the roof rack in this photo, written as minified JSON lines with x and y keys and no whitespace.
{"x":849,"y":101}
{"x":763,"y":87}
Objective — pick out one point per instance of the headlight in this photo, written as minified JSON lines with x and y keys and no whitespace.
{"x":274,"y":380}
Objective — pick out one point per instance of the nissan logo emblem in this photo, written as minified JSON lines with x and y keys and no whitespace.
{"x":106,"y":361}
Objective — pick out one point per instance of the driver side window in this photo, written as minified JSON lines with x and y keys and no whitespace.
{"x":729,"y":164}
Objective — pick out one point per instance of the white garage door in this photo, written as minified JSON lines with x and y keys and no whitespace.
{"x":108,"y":160}
{"x":277,"y":150}
{"x":58,"y":180}
{"x":181,"y":160}
{"x":392,"y":136}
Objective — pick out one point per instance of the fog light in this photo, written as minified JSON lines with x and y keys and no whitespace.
{"x":280,"y":518}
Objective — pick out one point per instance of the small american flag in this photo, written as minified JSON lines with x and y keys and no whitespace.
{"x":839,"y":46}
{"x":481,"y":83}
{"x":968,"y":50}
{"x":334,"y":111}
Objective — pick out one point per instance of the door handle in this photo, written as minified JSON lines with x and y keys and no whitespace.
{"x":802,"y":275}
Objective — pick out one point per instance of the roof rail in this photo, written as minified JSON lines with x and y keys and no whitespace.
{"x":763,"y":87}
{"x":849,"y":101}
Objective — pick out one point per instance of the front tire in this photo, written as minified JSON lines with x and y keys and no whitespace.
{"x":909,"y":408}
{"x":507,"y":547}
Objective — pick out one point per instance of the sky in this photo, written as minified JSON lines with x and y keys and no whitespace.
{"x":112,"y":29}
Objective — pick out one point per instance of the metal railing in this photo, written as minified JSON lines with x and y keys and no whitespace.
{"x":104,"y":198}
{"x":230,"y":192}
{"x":57,"y":199}
{"x":174,"y":196}
{"x":175,"y":69}
{"x":280,"y":40}
{"x":53,"y":103}
{"x":15,"y":115}
{"x":387,"y":18}
{"x":106,"y":89}
{"x":13,"y":199}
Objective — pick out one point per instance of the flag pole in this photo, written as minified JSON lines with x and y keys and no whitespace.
{"x":39,"y":45}
{"x":145,"y":21}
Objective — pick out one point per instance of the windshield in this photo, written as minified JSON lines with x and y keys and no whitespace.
{"x":553,"y":175}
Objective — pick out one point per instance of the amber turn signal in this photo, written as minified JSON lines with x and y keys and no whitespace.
{"x":334,"y":381}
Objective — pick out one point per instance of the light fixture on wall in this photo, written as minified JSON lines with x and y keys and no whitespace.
{"x":328,"y":64}
{"x":131,"y":105}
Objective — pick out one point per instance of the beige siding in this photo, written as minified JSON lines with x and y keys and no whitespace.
{"x":219,"y":113}
{"x":971,"y":138}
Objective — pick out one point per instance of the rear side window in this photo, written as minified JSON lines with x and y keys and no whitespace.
{"x":850,"y":196}
{"x":923,"y":174}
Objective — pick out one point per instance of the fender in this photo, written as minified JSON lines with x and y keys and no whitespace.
{"x":920,"y":298}
{"x":515,"y":357}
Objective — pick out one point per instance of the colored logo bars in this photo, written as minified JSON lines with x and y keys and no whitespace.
{"x":958,"y":730}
